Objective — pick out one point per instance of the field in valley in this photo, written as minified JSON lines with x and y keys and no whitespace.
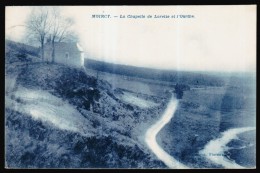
{"x":203,"y":114}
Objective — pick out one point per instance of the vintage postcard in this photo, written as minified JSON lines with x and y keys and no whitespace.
{"x":164,"y":87}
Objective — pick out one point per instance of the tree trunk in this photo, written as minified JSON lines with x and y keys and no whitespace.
{"x":53,"y":51}
{"x":42,"y":51}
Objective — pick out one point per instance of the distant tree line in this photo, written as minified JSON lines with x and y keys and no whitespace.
{"x":189,"y":78}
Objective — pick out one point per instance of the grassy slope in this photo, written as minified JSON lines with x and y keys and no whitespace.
{"x":203,"y":114}
{"x":118,"y":125}
{"x":114,"y":143}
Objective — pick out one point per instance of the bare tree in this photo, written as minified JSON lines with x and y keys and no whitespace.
{"x":38,"y":24}
{"x":60,"y":28}
{"x":49,"y":22}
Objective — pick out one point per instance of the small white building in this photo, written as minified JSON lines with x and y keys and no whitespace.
{"x":70,"y":54}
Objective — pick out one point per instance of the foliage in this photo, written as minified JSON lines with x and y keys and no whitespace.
{"x":35,"y":144}
{"x":179,"y":89}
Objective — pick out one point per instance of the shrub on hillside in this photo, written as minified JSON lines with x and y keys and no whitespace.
{"x":179,"y":89}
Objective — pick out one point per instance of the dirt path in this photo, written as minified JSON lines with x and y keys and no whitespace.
{"x":150,"y":137}
{"x":214,"y":149}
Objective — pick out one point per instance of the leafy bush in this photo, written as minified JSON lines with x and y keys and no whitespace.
{"x":179,"y":89}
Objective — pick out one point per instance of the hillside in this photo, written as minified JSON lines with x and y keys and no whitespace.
{"x":18,"y":55}
{"x":58,"y":116}
{"x":61,"y":117}
{"x":190,"y":78}
{"x":19,"y":52}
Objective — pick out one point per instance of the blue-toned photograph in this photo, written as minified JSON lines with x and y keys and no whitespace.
{"x":138,"y":87}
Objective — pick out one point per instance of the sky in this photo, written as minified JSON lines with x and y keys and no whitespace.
{"x":216,"y":38}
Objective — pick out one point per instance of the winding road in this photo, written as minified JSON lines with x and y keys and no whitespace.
{"x":151,"y":133}
{"x":214,"y":149}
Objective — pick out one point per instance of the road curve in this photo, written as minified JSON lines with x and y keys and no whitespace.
{"x":214,"y":149}
{"x":151,"y":133}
